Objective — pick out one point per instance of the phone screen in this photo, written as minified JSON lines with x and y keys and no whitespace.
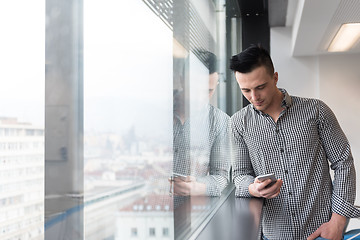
{"x":181,"y":176}
{"x":271,"y":176}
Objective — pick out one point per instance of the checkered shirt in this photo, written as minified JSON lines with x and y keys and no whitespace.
{"x":296,"y":149}
{"x":201,"y":148}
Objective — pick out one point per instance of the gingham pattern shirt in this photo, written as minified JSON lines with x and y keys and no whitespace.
{"x":201,"y":148}
{"x":296,"y":149}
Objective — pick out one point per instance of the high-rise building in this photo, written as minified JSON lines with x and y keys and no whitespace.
{"x":21,"y":180}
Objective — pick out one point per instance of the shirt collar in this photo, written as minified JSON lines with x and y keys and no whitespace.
{"x":204,"y":111}
{"x":285,"y":103}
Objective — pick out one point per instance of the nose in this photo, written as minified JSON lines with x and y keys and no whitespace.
{"x":254,"y":95}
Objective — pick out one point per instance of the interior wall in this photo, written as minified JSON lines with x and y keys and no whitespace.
{"x":339,"y":88}
{"x":298,"y":75}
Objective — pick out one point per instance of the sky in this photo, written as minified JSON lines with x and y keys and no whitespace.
{"x":127,"y":64}
{"x":22,"y":60}
{"x":127,"y":68}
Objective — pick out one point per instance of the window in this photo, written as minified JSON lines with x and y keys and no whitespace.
{"x":165,"y":232}
{"x":115,"y":83}
{"x":134,"y":232}
{"x":152,"y":232}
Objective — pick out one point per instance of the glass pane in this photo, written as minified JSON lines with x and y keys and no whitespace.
{"x":127,"y":108}
{"x":201,"y":141}
{"x":22,"y":120}
{"x":127,"y":121}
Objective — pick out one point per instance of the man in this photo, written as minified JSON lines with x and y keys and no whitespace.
{"x":201,"y":137}
{"x":294,"y":138}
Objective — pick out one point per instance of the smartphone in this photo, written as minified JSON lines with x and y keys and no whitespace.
{"x":271,"y":176}
{"x":181,"y":176}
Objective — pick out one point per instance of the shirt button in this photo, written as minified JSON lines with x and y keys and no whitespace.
{"x":286,"y":171}
{"x":281,"y":150}
{"x":290,"y":193}
{"x":277,"y":130}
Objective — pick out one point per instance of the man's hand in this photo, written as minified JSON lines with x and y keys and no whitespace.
{"x":331,"y":230}
{"x":259,"y":189}
{"x":188,"y":186}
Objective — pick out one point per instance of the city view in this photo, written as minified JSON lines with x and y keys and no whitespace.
{"x":129,"y":174}
{"x":21,"y":180}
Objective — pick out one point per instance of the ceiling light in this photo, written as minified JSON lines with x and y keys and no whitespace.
{"x":345,"y":38}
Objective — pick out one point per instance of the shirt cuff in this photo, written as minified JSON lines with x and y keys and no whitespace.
{"x":346,"y":209}
{"x":242,"y":186}
{"x":214,"y":186}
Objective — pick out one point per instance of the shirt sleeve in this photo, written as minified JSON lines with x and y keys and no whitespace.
{"x":219,"y":166}
{"x":242,"y":170}
{"x":338,"y":152}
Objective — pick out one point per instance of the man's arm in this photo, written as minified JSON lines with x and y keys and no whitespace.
{"x":219,"y":164}
{"x":331,"y":230}
{"x":242,"y":170}
{"x":338,"y":151}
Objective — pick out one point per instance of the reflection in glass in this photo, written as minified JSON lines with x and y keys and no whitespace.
{"x":200,"y":142}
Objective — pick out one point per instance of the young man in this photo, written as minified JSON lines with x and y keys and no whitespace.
{"x":294,"y":138}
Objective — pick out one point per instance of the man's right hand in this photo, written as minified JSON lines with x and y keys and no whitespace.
{"x":259,"y":189}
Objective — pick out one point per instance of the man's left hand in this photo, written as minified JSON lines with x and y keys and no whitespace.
{"x":333,"y":229}
{"x":188,"y":186}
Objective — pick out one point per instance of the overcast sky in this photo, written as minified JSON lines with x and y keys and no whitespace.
{"x":127,"y":67}
{"x":127,"y":64}
{"x":22,"y":60}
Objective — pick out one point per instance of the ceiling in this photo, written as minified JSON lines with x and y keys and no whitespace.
{"x":314,"y":22}
{"x":316,"y":25}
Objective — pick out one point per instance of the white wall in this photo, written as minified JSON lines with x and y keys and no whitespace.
{"x":340,"y":89}
{"x":335,"y":79}
{"x":299,"y":76}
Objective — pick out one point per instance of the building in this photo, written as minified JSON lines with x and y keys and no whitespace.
{"x":21,"y":180}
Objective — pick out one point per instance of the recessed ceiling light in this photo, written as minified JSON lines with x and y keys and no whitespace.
{"x":345,"y":38}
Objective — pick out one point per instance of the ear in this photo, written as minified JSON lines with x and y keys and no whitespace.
{"x":276,"y":77}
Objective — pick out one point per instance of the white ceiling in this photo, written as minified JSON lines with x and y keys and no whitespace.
{"x":315,"y":23}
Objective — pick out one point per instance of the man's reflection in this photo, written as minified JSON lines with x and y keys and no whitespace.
{"x":201,"y":142}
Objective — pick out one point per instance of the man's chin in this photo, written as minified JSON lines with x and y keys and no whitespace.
{"x":259,"y":107}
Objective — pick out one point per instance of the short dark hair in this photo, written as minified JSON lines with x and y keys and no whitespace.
{"x":210,"y":60}
{"x":251,"y":58}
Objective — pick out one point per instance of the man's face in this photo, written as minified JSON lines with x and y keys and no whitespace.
{"x":259,"y":87}
{"x":203,"y":92}
{"x":213,"y":82}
